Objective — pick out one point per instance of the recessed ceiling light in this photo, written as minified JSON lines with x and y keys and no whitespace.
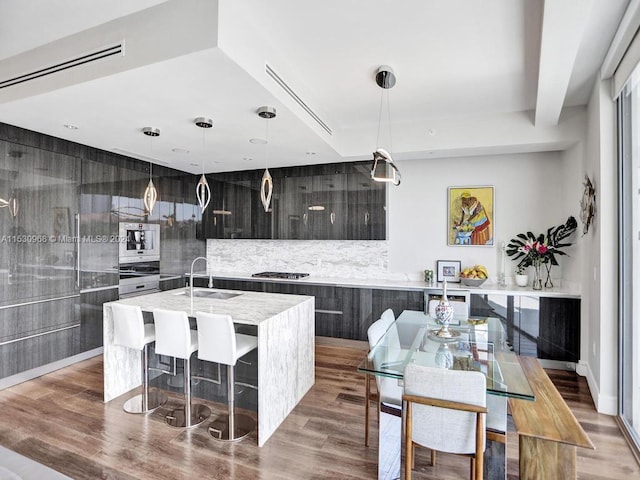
{"x":247,"y":159}
{"x":258,"y":141}
{"x":194,"y":164}
{"x":180,"y":150}
{"x":151,"y":131}
{"x":311,"y":153}
{"x":71,"y":126}
{"x":432,"y":132}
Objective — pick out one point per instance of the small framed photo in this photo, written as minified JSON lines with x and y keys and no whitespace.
{"x":449,"y":270}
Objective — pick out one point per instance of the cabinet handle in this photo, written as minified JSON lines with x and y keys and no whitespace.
{"x":329,"y":312}
{"x":333,"y":217}
{"x":77,"y":217}
{"x":304,"y":219}
{"x":366,"y":218}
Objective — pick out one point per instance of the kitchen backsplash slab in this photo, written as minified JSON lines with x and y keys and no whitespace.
{"x":358,"y":259}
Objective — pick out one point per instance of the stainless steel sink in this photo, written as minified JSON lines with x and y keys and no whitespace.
{"x":209,"y":293}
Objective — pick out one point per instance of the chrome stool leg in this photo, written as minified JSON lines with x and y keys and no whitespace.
{"x":190,"y":414}
{"x":147,"y":401}
{"x":231,"y":427}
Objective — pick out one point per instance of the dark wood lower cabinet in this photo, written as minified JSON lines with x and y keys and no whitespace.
{"x":341,"y":312}
{"x":38,"y":333}
{"x":559,"y":331}
{"x":91,"y":316}
{"x":542,"y":327}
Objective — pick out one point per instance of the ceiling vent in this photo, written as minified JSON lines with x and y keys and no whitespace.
{"x":278,"y":79}
{"x":59,"y":67}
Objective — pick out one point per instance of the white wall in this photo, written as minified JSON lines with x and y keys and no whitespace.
{"x":599,"y":278}
{"x":533,"y":191}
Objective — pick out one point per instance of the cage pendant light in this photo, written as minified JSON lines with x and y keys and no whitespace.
{"x":266,"y":185}
{"x":14,"y":206}
{"x":150,"y":193}
{"x":382,"y":160}
{"x":203,"y":192}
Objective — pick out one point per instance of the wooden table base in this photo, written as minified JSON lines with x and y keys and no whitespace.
{"x":544,"y":459}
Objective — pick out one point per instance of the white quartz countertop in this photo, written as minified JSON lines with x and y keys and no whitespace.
{"x":393,"y":284}
{"x":250,"y":308}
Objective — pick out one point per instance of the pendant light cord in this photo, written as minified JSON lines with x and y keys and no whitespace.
{"x":151,"y":154}
{"x":382,"y":94}
{"x":266,"y":160}
{"x":203,"y":151}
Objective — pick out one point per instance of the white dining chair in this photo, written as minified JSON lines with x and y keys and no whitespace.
{"x":389,"y":392}
{"x":445,"y":411}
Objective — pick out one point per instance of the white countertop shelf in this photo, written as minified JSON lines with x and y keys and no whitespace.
{"x":392,"y":284}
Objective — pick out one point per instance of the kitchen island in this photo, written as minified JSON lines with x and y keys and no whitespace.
{"x":285,"y":331}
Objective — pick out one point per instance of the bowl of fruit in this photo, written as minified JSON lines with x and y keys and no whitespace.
{"x":474,"y":276}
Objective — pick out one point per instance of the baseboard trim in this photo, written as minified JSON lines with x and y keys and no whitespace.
{"x":607,"y":405}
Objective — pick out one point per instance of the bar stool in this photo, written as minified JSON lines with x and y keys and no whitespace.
{"x":174,"y":338}
{"x":129,"y":330}
{"x":220,"y":343}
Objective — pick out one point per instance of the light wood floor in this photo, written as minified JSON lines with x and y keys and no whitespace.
{"x":60,"y":420}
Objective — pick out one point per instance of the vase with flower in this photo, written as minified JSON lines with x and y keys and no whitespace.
{"x":537,"y":250}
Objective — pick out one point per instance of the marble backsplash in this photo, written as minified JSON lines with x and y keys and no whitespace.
{"x":358,"y":259}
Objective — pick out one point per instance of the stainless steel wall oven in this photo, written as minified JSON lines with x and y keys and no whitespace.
{"x":139,"y":258}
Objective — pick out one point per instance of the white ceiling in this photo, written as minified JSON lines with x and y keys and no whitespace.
{"x":473,"y":77}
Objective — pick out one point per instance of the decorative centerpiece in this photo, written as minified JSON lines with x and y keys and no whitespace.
{"x":444,"y":314}
{"x":537,"y":250}
{"x":444,"y":357}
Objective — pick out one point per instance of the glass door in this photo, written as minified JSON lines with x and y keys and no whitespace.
{"x":629,"y":179}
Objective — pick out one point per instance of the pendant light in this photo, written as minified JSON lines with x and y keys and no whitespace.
{"x":386,"y":79}
{"x":13,"y":204}
{"x":266,"y":185}
{"x":150,"y":193}
{"x":203,"y":192}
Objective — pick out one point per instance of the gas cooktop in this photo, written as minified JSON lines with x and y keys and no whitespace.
{"x":288,"y":275}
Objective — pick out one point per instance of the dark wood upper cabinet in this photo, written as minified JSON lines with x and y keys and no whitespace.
{"x":316,"y":202}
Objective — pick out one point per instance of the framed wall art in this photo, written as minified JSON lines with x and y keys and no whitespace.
{"x":470,"y":216}
{"x":449,"y":270}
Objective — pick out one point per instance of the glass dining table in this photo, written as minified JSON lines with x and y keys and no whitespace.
{"x":476,"y":343}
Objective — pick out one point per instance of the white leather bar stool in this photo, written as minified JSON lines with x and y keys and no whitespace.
{"x":220,"y":343}
{"x":129,"y":330}
{"x":174,"y":338}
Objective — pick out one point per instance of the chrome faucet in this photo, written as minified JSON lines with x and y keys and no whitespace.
{"x":191,"y":273}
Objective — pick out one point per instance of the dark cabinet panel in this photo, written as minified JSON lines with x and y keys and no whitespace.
{"x":367,"y":207}
{"x":542,"y":327}
{"x":98,"y":224}
{"x":316,"y":202}
{"x":38,"y":232}
{"x":42,"y":350}
{"x":172,"y":284}
{"x":559,"y":331}
{"x":91,"y":318}
{"x":341,"y":312}
{"x":35,"y":334}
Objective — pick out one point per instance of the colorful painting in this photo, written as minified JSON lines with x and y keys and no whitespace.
{"x":470,"y":216}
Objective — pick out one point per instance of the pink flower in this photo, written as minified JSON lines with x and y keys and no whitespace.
{"x":542,"y":249}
